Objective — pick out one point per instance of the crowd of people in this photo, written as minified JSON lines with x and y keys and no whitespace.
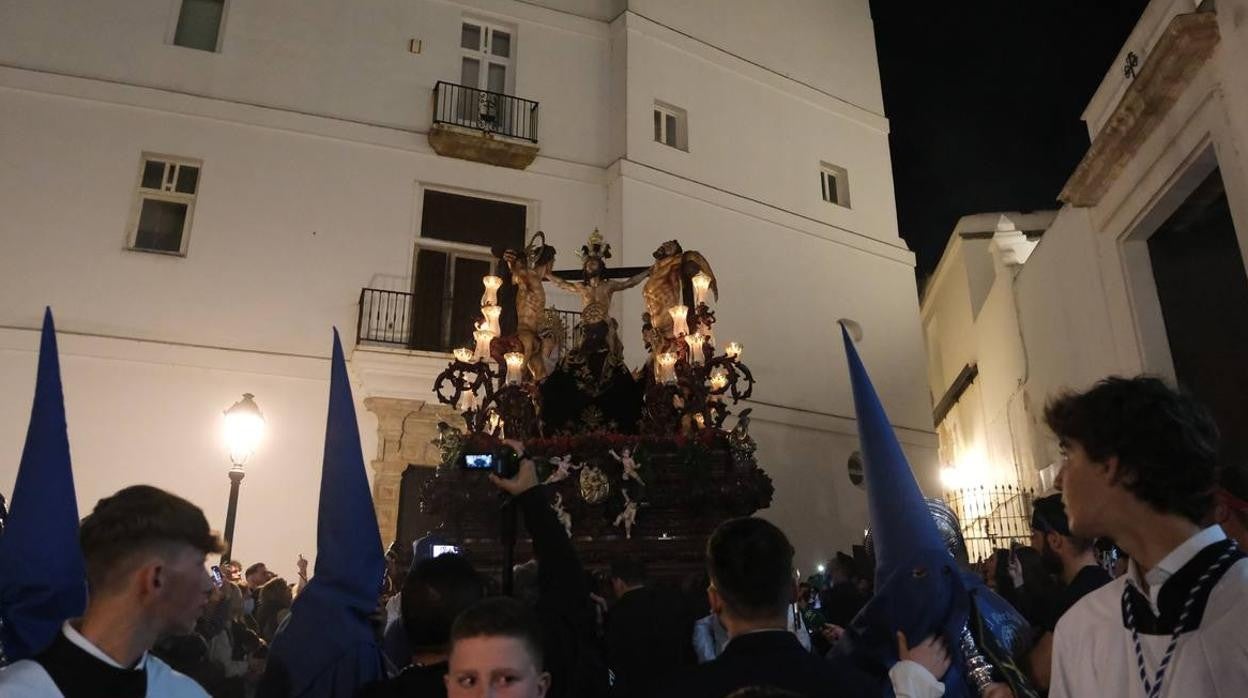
{"x":1055,"y":617}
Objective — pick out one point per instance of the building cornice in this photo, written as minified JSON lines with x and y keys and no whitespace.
{"x":1186,"y":45}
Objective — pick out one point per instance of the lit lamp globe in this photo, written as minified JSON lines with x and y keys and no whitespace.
{"x":492,"y":284}
{"x":701,"y":285}
{"x":515,"y":366}
{"x":492,"y":313}
{"x":244,"y":428}
{"x":680,"y":323}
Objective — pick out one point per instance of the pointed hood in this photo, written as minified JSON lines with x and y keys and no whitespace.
{"x":44,"y":578}
{"x":919,"y":588}
{"x":900,"y":521}
{"x":329,"y":647}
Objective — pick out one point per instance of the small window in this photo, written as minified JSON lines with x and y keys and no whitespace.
{"x":164,"y":204}
{"x":199,"y":24}
{"x":671,"y":126}
{"x":835,"y":184}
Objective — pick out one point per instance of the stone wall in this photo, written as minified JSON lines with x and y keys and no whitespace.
{"x":405,"y":432}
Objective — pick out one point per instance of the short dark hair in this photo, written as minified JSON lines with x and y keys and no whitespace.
{"x":1165,"y":442}
{"x":629,"y":570}
{"x":134,"y":520}
{"x":501,"y":616}
{"x":750,"y":562}
{"x":253,"y":568}
{"x":1048,"y":515}
{"x":435,"y":592}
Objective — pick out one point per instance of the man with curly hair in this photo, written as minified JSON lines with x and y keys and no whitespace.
{"x":1139,"y":465}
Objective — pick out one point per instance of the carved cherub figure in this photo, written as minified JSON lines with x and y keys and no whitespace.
{"x":563,"y":469}
{"x":628,"y":517}
{"x":629,"y":464}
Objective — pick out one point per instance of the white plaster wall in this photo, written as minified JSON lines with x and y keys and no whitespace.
{"x":287,"y":227}
{"x":326,"y":57}
{"x":309,"y":124}
{"x":147,"y":413}
{"x":757,"y":135}
{"x":781,"y":294}
{"x":828,"y":44}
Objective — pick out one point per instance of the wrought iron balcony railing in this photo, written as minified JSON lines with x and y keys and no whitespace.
{"x":388,"y":318}
{"x":492,"y":112}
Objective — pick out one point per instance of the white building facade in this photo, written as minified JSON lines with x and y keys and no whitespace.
{"x":201,"y":188}
{"x":1143,"y":270}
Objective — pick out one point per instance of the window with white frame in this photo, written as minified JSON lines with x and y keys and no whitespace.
{"x":458,"y":237}
{"x":671,"y":126}
{"x":485,"y":63}
{"x":164,"y":204}
{"x":835,"y":184}
{"x":199,"y":24}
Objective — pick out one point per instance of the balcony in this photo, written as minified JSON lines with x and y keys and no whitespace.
{"x":391,"y":319}
{"x":482,"y":126}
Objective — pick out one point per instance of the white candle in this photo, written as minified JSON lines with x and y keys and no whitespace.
{"x":492,"y":284}
{"x":666,"y":367}
{"x":491,"y":313}
{"x":719,"y":379}
{"x":701,"y":284}
{"x":680,"y":324}
{"x":467,"y":401}
{"x":463,"y":354}
{"x":515,"y":366}
{"x":695,"y":347}
{"x":483,"y":337}
{"x":733,"y":350}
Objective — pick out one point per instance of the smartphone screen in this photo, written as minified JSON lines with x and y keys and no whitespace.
{"x":445,"y":550}
{"x":217,"y":579}
{"x":479,"y":461}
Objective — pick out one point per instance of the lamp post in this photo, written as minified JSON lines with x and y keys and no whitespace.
{"x":244,"y":425}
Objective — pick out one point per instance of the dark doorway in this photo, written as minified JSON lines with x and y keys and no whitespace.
{"x":461,"y":240}
{"x":412,"y":522}
{"x":1203,"y":289}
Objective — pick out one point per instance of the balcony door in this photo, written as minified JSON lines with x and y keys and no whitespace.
{"x":461,"y":240}
{"x":486,"y":68}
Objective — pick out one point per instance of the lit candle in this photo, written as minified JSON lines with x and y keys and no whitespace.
{"x":495,"y":424}
{"x":695,"y":347}
{"x":492,"y":284}
{"x":667,"y":367}
{"x":701,"y":284}
{"x":515,"y":366}
{"x":680,"y":325}
{"x":463,"y":354}
{"x":483,"y":337}
{"x":719,"y":380}
{"x":467,"y":401}
{"x":733,"y":350}
{"x":491,"y":313}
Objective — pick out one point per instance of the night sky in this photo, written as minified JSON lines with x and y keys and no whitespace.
{"x":984,"y":102}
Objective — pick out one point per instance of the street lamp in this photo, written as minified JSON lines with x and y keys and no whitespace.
{"x":244,"y":425}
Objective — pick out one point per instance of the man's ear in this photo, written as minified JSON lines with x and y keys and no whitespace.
{"x":150,"y":577}
{"x":1055,"y":541}
{"x":712,"y":596}
{"x":1113,"y":473}
{"x":543,"y":684}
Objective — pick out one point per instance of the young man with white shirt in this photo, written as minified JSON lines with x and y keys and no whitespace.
{"x":1140,"y":467}
{"x":144,"y":550}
